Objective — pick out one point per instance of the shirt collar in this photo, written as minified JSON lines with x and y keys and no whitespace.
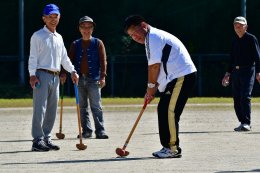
{"x":47,"y":30}
{"x":148,"y":31}
{"x":146,"y":41}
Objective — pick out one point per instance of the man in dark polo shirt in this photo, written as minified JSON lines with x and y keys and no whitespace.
{"x":243,"y":68}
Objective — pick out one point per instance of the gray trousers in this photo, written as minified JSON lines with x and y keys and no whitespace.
{"x":45,"y":102}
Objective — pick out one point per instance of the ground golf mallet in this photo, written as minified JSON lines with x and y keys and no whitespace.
{"x":60,"y":135}
{"x":80,"y":146}
{"x":121,"y":151}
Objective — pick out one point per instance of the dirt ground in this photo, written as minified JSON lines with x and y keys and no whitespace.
{"x":207,"y":139}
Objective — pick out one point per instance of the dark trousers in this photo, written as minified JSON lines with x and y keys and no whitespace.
{"x":242,"y":86}
{"x":170,"y":107}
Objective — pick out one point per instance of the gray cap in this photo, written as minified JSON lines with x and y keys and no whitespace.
{"x":86,"y":19}
{"x":240,"y":20}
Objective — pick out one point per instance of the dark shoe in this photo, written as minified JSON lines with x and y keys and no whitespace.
{"x":86,"y":135}
{"x":51,"y":145}
{"x":40,"y":145}
{"x":101,"y":136}
{"x":243,"y":128}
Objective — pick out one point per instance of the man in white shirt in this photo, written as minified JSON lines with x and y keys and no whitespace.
{"x":172,"y":72}
{"x":47,"y":54}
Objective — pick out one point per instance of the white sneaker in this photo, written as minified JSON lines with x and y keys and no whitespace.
{"x":167,"y":153}
{"x":155,"y":153}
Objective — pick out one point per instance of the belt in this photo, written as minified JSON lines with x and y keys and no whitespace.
{"x":84,"y":75}
{"x":50,"y":72}
{"x":241,"y":67}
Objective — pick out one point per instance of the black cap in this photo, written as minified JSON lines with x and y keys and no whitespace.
{"x":86,"y":19}
{"x":133,"y":20}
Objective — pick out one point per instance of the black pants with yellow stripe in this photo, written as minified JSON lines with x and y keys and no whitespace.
{"x":170,"y":107}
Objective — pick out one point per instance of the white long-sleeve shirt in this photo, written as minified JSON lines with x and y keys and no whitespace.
{"x":47,"y":51}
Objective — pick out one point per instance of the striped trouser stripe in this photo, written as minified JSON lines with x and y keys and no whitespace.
{"x":171,"y":115}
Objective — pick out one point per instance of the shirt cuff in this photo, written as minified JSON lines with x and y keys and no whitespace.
{"x":32,"y":73}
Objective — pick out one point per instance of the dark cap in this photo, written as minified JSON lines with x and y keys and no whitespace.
{"x":51,"y":9}
{"x":133,"y":20}
{"x":86,"y":19}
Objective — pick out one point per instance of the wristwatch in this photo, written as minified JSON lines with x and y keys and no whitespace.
{"x":151,"y":85}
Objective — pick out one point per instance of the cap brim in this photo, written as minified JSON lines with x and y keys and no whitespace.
{"x":243,"y":23}
{"x":88,"y":21}
{"x":53,"y":12}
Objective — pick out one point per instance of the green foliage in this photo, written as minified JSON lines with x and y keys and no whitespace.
{"x":15,"y":91}
{"x":203,"y":26}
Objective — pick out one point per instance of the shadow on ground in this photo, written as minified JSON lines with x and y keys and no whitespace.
{"x":253,"y":170}
{"x":115,"y":159}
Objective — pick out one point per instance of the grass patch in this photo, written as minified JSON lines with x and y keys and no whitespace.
{"x":118,"y":101}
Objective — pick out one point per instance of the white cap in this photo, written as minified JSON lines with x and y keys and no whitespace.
{"x":240,"y":20}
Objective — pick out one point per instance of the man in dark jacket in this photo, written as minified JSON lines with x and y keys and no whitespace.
{"x":244,"y":66}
